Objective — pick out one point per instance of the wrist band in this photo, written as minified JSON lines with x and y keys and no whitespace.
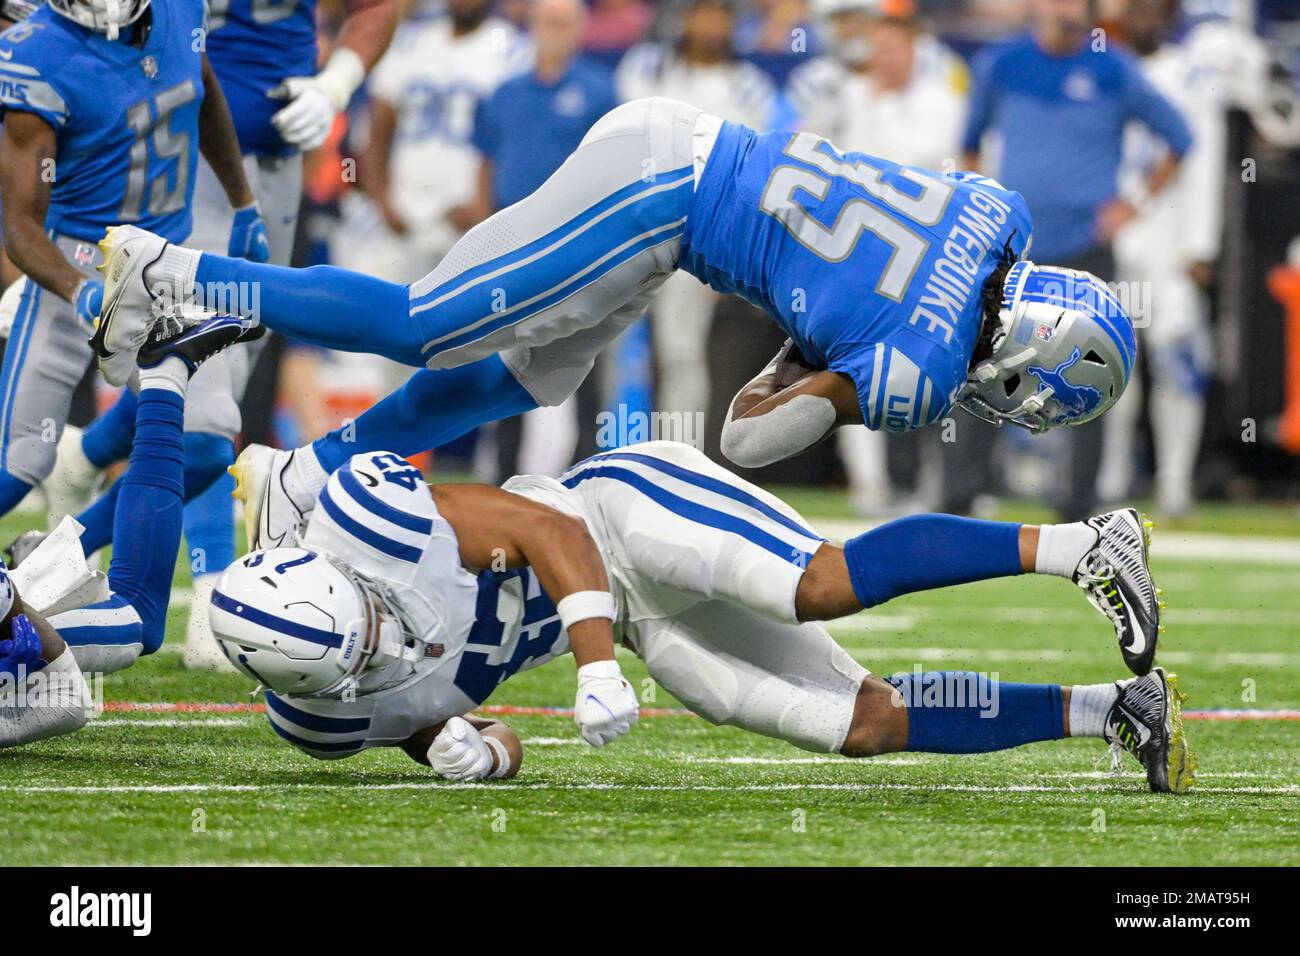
{"x":583,"y":605}
{"x":343,"y":73}
{"x":502,"y":755}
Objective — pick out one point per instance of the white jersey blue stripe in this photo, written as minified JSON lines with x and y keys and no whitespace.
{"x":706,"y":500}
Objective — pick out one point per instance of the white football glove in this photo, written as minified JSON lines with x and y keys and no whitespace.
{"x":9,"y":305}
{"x":459,"y":752}
{"x":306,"y":121}
{"x":606,"y":707}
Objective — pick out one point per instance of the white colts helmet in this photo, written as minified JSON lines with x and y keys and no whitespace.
{"x":1062,"y":356}
{"x":102,"y":16}
{"x":299,"y":623}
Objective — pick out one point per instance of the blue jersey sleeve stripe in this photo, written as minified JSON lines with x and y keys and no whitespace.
{"x":275,"y":623}
{"x":379,"y":542}
{"x":715,"y":485}
{"x":380,"y":508}
{"x":317,"y":722}
{"x":693,"y":511}
{"x":882,"y":383}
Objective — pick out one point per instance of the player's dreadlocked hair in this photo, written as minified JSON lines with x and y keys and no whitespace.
{"x":991,"y":296}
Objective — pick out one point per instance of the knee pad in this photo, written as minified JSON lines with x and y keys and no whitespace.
{"x":810,"y":717}
{"x":31,"y":458}
{"x":698,"y":680}
{"x":544,"y":375}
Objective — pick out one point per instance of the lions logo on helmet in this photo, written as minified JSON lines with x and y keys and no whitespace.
{"x":1062,"y":356}
{"x":1077,"y":401}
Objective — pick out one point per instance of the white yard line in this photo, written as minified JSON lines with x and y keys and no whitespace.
{"x":168,"y":722}
{"x":503,"y":789}
{"x":552,"y":741}
{"x":799,"y":761}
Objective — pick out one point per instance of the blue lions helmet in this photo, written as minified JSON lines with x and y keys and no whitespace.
{"x":1062,"y":356}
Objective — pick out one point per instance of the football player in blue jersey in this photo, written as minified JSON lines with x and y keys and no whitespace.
{"x":903,"y":291}
{"x":106,"y":107}
{"x":265,"y":56}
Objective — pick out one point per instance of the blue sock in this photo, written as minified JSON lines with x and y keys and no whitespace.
{"x":210,"y":527}
{"x":961,"y":712}
{"x":149,"y":509}
{"x":108,"y":439}
{"x":431,"y":409}
{"x":930,"y":551}
{"x":12,"y":491}
{"x":323,"y":305}
{"x":206,"y":457}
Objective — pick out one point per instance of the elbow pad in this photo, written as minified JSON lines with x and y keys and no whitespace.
{"x":784,"y":431}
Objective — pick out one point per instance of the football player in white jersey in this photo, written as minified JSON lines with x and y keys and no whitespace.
{"x":404,"y":606}
{"x":1169,"y":249}
{"x":700,"y":67}
{"x":420,"y":167}
{"x":873,"y":93}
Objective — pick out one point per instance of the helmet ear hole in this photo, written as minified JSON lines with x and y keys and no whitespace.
{"x":1094,"y":358}
{"x":1011,"y":384}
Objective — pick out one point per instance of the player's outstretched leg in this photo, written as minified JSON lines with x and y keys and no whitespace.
{"x":145,"y":277}
{"x":1106,"y":555}
{"x":961,"y":712}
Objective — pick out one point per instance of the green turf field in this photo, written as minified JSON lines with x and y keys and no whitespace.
{"x":141,"y":786}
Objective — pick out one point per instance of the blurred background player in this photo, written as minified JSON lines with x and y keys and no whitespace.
{"x":106,"y":109}
{"x":700,"y":67}
{"x":266,"y":59}
{"x":876,"y":90}
{"x":1055,"y":103}
{"x":564,"y":93}
{"x":1167,"y":255}
{"x":420,"y":169}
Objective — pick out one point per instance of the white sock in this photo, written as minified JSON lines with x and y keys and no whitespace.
{"x":171,"y":374}
{"x":1089,"y":705}
{"x":309,"y":476}
{"x":171,"y":277}
{"x":1062,"y":546}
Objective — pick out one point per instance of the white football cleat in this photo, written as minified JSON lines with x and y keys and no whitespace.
{"x":130,"y":311}
{"x":71,"y":485}
{"x":265,"y":481}
{"x":202,"y":652}
{"x":1116,"y":577}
